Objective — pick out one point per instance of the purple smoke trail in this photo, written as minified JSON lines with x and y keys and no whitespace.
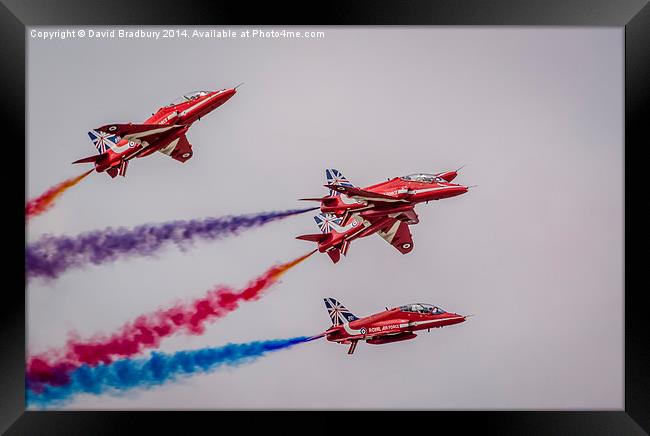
{"x":51,"y":256}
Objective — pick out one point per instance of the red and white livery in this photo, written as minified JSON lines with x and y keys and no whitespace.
{"x":164,"y":131}
{"x":392,"y":325}
{"x":387,"y":208}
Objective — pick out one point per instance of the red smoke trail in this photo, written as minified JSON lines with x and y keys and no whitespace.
{"x":147,"y":330}
{"x":45,"y":201}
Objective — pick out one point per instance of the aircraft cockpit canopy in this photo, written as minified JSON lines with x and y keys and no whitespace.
{"x":426,"y":309}
{"x":423,"y":178}
{"x":187,"y":97}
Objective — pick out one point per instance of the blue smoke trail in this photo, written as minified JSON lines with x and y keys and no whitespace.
{"x":51,"y":256}
{"x":158,"y":369}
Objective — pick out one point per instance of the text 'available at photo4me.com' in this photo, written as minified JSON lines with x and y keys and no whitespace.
{"x":177,"y":33}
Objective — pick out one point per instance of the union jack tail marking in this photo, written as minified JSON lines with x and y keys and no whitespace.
{"x":337,"y":312}
{"x":334,"y":177}
{"x":102,"y":140}
{"x":327,"y":222}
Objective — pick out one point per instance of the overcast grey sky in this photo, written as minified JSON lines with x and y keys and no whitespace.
{"x":535,"y":251}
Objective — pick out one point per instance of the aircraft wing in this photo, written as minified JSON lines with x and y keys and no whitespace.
{"x":179,"y":149}
{"x":141,"y":132}
{"x":361,"y":194}
{"x":397,"y":234}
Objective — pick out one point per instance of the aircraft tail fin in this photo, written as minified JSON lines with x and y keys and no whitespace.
{"x":327,"y":222}
{"x":338,"y":313}
{"x":102,"y":140}
{"x":335,"y":177}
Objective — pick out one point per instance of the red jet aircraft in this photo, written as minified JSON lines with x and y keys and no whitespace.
{"x":164,"y":131}
{"x":392,"y":325}
{"x":387,"y":208}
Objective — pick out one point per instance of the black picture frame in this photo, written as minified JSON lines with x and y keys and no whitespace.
{"x":15,"y":15}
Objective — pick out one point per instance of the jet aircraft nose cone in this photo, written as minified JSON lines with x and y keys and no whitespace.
{"x":458,"y":189}
{"x":224,"y":95}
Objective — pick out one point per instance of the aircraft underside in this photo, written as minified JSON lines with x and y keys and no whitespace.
{"x":378,"y":340}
